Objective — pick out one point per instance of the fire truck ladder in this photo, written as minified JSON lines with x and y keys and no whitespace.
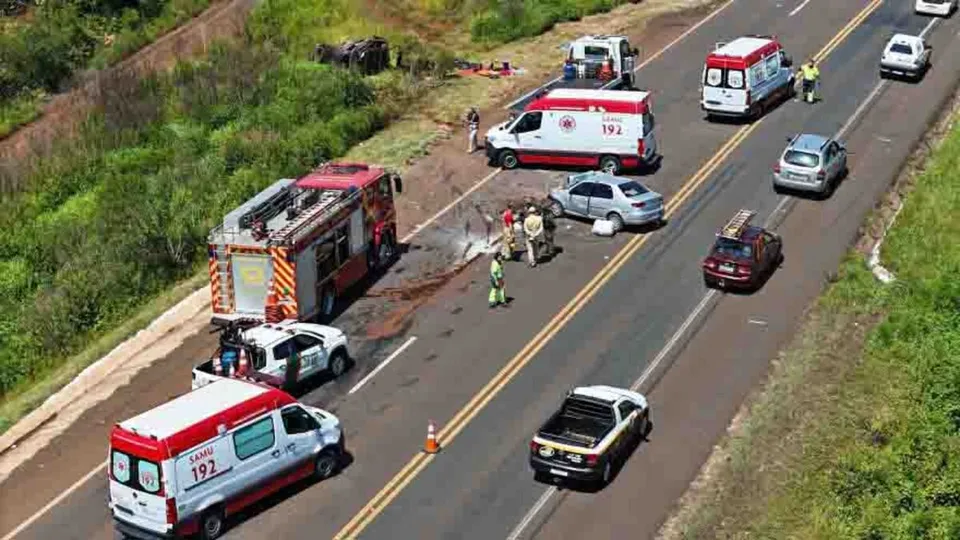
{"x":734,"y":228}
{"x":223,"y":272}
{"x":327,"y":201}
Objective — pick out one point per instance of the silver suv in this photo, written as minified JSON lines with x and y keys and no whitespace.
{"x":811,"y":163}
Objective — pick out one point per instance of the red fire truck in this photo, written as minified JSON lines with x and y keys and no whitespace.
{"x":302,"y":243}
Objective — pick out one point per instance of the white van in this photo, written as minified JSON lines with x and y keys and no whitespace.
{"x":609,"y":129}
{"x":185,"y":466}
{"x":942,"y":8}
{"x":744,"y":77}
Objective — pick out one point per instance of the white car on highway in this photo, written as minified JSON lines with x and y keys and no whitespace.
{"x":905,"y":56}
{"x":942,"y":8}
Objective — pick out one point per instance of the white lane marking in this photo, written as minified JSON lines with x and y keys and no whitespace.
{"x":674,"y":339}
{"x":416,"y":230}
{"x":383,"y":364}
{"x":929,"y":27}
{"x":863,"y":106}
{"x":541,"y":502}
{"x":685,"y":33}
{"x":798,"y":8}
{"x":54,"y":502}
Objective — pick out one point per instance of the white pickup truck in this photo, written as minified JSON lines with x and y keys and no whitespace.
{"x":281,"y":355}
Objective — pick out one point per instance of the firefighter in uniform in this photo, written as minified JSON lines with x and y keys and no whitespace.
{"x":533,"y":233}
{"x":498,"y":294}
{"x":509,"y":242}
{"x":810,"y":77}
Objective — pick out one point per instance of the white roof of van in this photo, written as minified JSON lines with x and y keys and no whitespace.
{"x":609,"y":95}
{"x":741,"y":47}
{"x":179,"y":414}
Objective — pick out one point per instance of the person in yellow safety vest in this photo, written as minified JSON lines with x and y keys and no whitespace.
{"x":498,"y":293}
{"x":810,"y":75}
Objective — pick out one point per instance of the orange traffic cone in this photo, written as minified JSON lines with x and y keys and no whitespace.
{"x":242,"y":362}
{"x":431,"y":446}
{"x":271,"y":311}
{"x":606,"y":70}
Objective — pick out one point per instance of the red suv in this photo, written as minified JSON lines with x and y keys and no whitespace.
{"x":742,"y":255}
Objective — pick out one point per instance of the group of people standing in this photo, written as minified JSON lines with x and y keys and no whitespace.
{"x":537,"y":228}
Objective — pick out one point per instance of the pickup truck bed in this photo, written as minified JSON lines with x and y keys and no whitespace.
{"x":579,"y":422}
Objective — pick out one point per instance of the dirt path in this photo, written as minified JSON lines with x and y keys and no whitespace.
{"x":223,"y":19}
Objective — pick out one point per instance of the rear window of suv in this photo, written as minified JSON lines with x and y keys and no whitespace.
{"x":801,"y":159}
{"x":133,"y":472}
{"x":733,"y":248}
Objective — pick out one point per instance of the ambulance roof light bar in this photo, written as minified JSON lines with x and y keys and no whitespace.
{"x":734,"y":228}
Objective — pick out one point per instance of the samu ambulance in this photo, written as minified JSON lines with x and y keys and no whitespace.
{"x":744,"y":77}
{"x":609,"y":129}
{"x":187,"y":465}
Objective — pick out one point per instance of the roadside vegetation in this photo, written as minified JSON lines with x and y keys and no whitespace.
{"x":44,"y":45}
{"x":857,"y":433}
{"x":111,"y":219}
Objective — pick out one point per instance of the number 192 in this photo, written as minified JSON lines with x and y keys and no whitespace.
{"x":612,"y":129}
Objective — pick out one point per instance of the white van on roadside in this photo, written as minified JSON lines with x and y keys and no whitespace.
{"x":606,"y":129}
{"x":185,"y":466}
{"x":745,"y":77}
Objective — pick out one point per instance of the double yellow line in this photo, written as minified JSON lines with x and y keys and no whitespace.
{"x":446,"y":435}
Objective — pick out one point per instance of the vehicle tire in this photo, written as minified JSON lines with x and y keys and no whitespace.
{"x":325,"y":465}
{"x":556,"y":208}
{"x":617,"y":221}
{"x":211,"y":524}
{"x":709,"y":283}
{"x":610,"y":165}
{"x":328,"y":301}
{"x":607,"y":473}
{"x":542,"y":477}
{"x":338,"y":363}
{"x":508,"y":159}
{"x":387,"y":251}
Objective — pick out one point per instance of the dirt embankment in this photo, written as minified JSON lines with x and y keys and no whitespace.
{"x":224,"y":19}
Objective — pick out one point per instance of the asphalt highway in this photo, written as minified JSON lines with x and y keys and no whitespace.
{"x":488,"y":386}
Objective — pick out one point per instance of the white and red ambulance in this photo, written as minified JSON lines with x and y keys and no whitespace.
{"x":187,"y":465}
{"x":744,"y":77}
{"x":609,"y":129}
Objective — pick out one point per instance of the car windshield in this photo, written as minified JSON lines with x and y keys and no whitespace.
{"x":733,"y":248}
{"x":633,"y":189}
{"x":801,"y":159}
{"x":901,"y":48}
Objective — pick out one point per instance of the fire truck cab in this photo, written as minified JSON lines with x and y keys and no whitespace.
{"x":300,"y":243}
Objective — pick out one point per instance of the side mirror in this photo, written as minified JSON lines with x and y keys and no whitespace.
{"x":635,"y":51}
{"x":397,"y":184}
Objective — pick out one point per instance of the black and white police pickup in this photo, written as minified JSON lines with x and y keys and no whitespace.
{"x":905,"y":56}
{"x":280,"y":355}
{"x":590,"y":433}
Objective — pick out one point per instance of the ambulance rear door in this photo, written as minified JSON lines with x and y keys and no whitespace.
{"x":136,"y":491}
{"x":724,"y":89}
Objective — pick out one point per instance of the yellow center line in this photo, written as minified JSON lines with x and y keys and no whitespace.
{"x":445,"y":436}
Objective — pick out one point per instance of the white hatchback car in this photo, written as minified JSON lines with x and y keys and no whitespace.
{"x":942,"y":8}
{"x":905,"y":56}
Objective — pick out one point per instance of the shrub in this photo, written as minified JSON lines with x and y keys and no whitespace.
{"x":507,"y":20}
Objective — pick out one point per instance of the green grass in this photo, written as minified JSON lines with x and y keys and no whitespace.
{"x":857,"y":434}
{"x":19,"y":111}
